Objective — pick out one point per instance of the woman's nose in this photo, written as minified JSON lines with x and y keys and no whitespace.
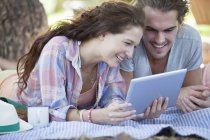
{"x":129,"y":53}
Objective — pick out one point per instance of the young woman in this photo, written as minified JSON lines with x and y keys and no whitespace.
{"x":73,"y":68}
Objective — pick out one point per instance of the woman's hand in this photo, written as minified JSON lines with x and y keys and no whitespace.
{"x":158,"y":107}
{"x":193,"y":98}
{"x":22,"y":114}
{"x":118,"y":112}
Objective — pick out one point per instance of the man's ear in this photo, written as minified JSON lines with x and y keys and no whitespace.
{"x":180,"y":26}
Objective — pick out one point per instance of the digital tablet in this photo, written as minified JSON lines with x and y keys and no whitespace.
{"x":144,"y":90}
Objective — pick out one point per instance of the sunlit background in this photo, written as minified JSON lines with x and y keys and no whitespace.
{"x":63,"y":9}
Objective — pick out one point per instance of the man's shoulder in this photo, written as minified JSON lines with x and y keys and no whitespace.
{"x":189,"y":33}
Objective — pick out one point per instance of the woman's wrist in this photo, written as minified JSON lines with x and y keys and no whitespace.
{"x":99,"y":116}
{"x":87,"y":115}
{"x":90,"y":115}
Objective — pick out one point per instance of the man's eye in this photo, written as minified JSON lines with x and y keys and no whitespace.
{"x":149,"y":29}
{"x":169,"y":30}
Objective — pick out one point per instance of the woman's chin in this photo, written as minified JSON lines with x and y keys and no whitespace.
{"x":115,"y":65}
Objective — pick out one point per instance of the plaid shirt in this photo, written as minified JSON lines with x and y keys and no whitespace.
{"x":56,"y":80}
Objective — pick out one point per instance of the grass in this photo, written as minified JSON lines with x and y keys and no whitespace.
{"x":203,"y":29}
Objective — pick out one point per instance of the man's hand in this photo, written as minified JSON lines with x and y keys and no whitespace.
{"x":204,"y":102}
{"x":193,"y":98}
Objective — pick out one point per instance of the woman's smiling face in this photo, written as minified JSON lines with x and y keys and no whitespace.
{"x":117,"y":47}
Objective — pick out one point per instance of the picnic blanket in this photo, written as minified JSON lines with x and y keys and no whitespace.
{"x":193,"y":123}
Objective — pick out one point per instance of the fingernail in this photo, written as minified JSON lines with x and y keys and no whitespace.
{"x":129,"y":104}
{"x":204,"y":93}
{"x":141,"y":115}
{"x":134,"y":116}
{"x":134,"y":111}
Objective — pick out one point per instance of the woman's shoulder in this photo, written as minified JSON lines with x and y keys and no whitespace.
{"x":61,"y":44}
{"x":58,"y":41}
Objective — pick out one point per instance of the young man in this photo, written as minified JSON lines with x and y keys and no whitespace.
{"x":168,"y":44}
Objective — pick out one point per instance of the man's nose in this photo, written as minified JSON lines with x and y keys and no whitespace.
{"x":160,"y":38}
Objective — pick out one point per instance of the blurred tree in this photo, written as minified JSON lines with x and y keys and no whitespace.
{"x":20,"y":23}
{"x":200,"y":10}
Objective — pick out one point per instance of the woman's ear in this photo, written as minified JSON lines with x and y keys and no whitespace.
{"x":102,"y":36}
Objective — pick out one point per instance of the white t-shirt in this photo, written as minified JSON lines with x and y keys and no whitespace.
{"x":186,"y":52}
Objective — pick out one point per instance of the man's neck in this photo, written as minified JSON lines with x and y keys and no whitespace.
{"x":158,"y":65}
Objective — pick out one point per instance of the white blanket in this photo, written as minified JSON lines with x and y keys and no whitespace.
{"x":197,"y":123}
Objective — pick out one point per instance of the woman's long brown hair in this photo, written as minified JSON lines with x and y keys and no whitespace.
{"x":110,"y":17}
